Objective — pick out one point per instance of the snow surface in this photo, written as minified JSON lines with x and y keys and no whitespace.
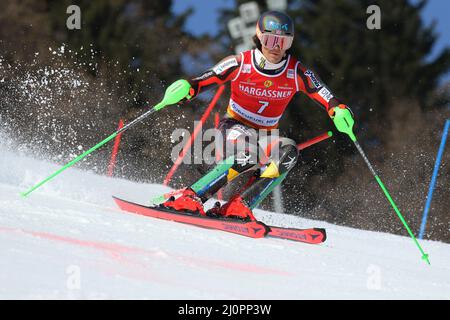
{"x":68,"y":240}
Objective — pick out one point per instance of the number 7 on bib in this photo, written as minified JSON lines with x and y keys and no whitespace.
{"x":265,"y":104}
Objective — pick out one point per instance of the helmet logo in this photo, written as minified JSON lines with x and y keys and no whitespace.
{"x":273,"y":25}
{"x":268,"y":83}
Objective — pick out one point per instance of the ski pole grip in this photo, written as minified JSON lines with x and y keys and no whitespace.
{"x":176,"y":92}
{"x":344,"y":122}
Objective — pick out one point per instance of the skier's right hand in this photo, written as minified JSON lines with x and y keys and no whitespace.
{"x":188,"y":97}
{"x":178,"y":92}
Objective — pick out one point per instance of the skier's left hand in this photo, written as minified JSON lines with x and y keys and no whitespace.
{"x":332,"y":111}
{"x":343,"y":119}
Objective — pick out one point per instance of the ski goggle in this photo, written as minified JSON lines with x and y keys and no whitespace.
{"x":270,"y":41}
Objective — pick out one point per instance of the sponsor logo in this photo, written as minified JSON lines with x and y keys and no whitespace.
{"x":289,"y":164}
{"x":268,"y":83}
{"x":256,"y":230}
{"x":252,"y":117}
{"x":244,"y":160}
{"x":290,"y":74}
{"x":235,"y":228}
{"x":248,"y":82}
{"x":206,"y":75}
{"x":246,"y":68}
{"x":264,"y":93}
{"x":294,"y":235}
{"x":313,"y":78}
{"x":325,"y":94}
{"x":225,"y":65}
{"x":262,"y":63}
{"x":273,"y":25}
{"x":286,"y":87}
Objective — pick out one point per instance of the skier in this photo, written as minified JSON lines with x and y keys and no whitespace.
{"x":263,"y":82}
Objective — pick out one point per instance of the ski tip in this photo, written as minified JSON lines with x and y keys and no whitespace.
{"x":23,"y":195}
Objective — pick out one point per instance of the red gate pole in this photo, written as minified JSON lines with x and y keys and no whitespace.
{"x":216,"y":125}
{"x":115,"y":150}
{"x":315,"y":140}
{"x":194,"y":135}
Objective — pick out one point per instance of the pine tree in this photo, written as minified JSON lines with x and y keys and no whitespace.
{"x":136,"y":35}
{"x":126,"y":51}
{"x":371,"y":69}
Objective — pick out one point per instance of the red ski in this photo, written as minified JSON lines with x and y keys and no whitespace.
{"x":253,"y":229}
{"x":313,"y":236}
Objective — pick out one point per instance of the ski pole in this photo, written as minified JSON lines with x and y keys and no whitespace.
{"x":344,"y":123}
{"x":174,"y":93}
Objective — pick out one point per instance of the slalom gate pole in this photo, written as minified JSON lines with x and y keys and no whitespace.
{"x":434,"y":178}
{"x":174,"y":93}
{"x":115,"y":150}
{"x":216,"y":126}
{"x":341,"y":120}
{"x":315,"y":140}
{"x":188,"y":145}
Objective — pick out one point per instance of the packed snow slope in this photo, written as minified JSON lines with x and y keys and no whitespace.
{"x":68,"y":240}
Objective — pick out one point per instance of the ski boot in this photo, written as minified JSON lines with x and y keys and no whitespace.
{"x":233,"y":209}
{"x":188,"y":201}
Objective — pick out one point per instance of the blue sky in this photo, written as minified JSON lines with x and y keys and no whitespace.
{"x":205,"y":17}
{"x":439,"y":11}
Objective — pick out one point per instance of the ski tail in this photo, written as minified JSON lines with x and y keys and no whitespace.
{"x":312,"y":236}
